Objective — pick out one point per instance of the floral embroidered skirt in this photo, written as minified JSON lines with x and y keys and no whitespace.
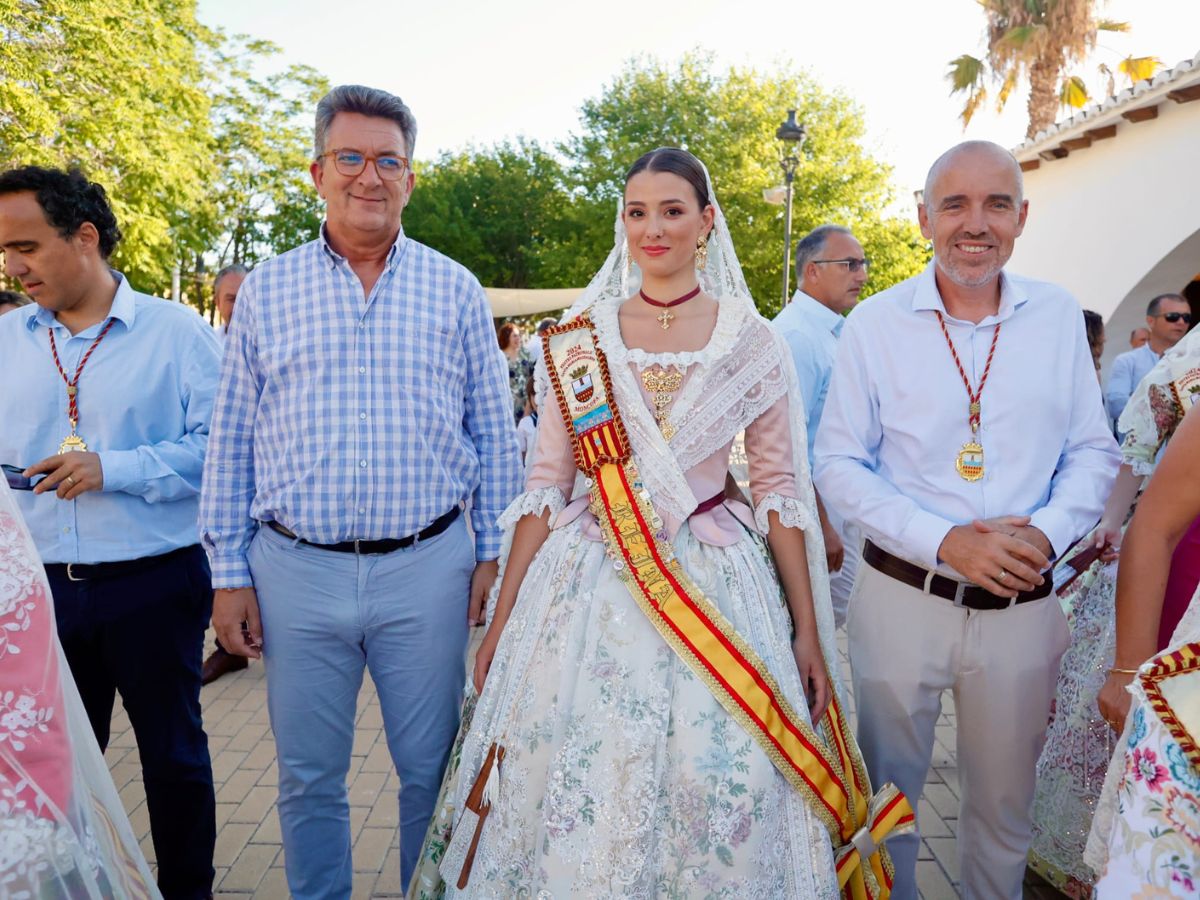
{"x":1145,"y":839}
{"x":1079,"y":743}
{"x":623,"y":776}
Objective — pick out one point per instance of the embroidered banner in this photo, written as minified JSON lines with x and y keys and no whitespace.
{"x":831,"y":777}
{"x":1172,"y":685}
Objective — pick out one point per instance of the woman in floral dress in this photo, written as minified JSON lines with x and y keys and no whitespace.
{"x":623,"y":775}
{"x":1146,"y":839}
{"x":1079,"y":743}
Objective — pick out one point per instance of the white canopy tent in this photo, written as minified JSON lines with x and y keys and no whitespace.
{"x":521,"y":302}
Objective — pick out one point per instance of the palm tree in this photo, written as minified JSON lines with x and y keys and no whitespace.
{"x":1034,"y":39}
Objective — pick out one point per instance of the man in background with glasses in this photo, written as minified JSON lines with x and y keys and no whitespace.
{"x":1168,"y":318}
{"x":362,"y":405}
{"x":831,"y":270}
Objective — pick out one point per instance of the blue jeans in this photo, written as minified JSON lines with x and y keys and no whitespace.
{"x":325,"y":615}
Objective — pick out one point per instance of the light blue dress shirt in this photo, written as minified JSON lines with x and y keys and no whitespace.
{"x":897,"y":415}
{"x":811,"y":330}
{"x":145,"y":400}
{"x":1127,"y":372}
{"x":350,"y":417}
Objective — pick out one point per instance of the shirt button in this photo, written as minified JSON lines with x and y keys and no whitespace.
{"x":362,"y":510}
{"x":66,"y":529}
{"x":362,"y":415}
{"x":362,"y":463}
{"x":362,"y":370}
{"x":362,"y":324}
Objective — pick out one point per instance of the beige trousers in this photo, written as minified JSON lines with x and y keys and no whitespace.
{"x":906,"y":648}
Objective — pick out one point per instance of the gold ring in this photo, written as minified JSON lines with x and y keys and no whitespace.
{"x":71,"y":479}
{"x":1003,"y":574}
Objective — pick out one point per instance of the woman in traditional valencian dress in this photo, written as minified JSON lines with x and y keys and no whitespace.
{"x":63,"y":832}
{"x":608,"y":754}
{"x":1146,"y":838}
{"x":1079,"y":744}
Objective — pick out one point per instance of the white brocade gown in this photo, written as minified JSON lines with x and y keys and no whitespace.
{"x":624,"y":777}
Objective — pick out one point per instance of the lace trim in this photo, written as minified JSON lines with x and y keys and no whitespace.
{"x":792,"y":513}
{"x":730,"y":316}
{"x":719,"y":403}
{"x":533,"y":502}
{"x":1141,"y":467}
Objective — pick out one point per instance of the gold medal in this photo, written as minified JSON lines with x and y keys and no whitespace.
{"x":970,"y":461}
{"x":970,"y":458}
{"x":72,"y":443}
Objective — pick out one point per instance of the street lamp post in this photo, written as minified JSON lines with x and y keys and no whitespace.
{"x":791,"y":134}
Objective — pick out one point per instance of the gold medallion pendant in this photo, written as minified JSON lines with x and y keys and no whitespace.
{"x":663,"y":383}
{"x":970,"y":458}
{"x":72,"y":443}
{"x":970,"y":461}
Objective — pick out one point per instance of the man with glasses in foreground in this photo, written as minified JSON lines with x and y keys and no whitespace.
{"x":362,"y":403}
{"x":1168,"y":318}
{"x":831,"y":270}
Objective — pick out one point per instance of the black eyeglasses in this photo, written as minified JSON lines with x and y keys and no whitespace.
{"x":1174,"y":317}
{"x":851,"y":264}
{"x":351,"y":162}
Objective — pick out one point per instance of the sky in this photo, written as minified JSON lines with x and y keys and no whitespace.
{"x":477,"y":72}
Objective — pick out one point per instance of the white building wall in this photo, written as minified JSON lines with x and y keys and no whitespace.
{"x":1119,"y":222}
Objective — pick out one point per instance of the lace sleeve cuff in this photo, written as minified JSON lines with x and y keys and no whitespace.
{"x":533,"y":502}
{"x":792,"y":513}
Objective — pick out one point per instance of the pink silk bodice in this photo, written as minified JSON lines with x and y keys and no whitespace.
{"x":768,"y":453}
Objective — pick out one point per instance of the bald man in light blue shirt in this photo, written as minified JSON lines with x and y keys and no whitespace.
{"x":831,"y":270}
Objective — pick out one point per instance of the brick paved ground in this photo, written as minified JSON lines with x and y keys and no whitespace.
{"x":249,"y":857}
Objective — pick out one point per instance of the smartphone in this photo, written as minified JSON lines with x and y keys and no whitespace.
{"x":16,"y":480}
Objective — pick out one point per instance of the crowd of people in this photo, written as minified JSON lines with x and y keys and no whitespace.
{"x":358,"y":466}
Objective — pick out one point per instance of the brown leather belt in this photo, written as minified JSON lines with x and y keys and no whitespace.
{"x":961,"y":593}
{"x":387,"y":545}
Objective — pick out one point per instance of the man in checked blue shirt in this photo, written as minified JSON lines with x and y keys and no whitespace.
{"x":362,"y":403}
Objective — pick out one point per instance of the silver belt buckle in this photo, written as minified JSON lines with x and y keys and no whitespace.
{"x":958,"y":593}
{"x":71,"y":574}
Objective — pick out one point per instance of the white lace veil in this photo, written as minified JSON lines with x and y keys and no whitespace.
{"x":619,"y":278}
{"x":756,"y":365}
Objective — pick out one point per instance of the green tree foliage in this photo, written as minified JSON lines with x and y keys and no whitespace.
{"x":260,"y":201}
{"x":728,"y":120}
{"x":497,"y":210}
{"x":202,"y":158}
{"x":114,"y":88}
{"x":263,"y":201}
{"x":1037,"y":41}
{"x":520,"y":218}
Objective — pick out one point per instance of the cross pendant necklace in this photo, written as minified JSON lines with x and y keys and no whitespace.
{"x":665,"y":318}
